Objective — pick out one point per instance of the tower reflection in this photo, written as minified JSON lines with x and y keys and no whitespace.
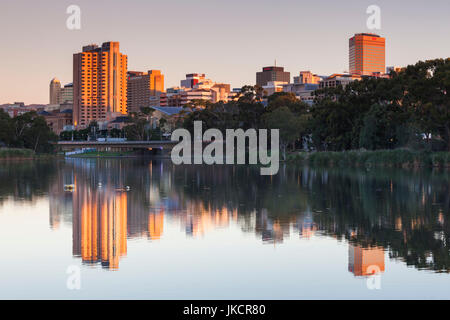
{"x":99,"y":225}
{"x":156,"y":225}
{"x":365,"y":261}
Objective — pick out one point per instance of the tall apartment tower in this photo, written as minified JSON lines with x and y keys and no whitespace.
{"x":55,"y":91}
{"x":270,"y":74}
{"x":144,"y":89}
{"x":367,"y":54}
{"x":99,"y":83}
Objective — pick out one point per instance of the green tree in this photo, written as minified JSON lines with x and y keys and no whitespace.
{"x":291,"y":127}
{"x":286,"y":99}
{"x":115,"y":133}
{"x":39,"y":136}
{"x":331,"y":126}
{"x":66,"y":135}
{"x":148,"y":111}
{"x":137,"y":130}
{"x":426,"y":86}
{"x":6,"y":128}
{"x":29,"y":131}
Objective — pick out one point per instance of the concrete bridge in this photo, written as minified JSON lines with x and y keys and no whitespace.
{"x":153,"y":147}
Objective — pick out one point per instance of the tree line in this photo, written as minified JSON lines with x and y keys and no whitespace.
{"x":28,"y":130}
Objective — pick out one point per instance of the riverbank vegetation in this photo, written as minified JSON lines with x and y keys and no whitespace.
{"x":23,"y":154}
{"x":137,"y":126}
{"x":26,"y":131}
{"x":14,"y":153}
{"x":103,"y":154}
{"x":384,"y":158}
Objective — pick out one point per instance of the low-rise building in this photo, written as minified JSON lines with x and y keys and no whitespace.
{"x":195,"y":94}
{"x":307,"y":77}
{"x":338,"y":79}
{"x":170,"y":114}
{"x":206,"y":89}
{"x":118,"y":123}
{"x":18,"y":108}
{"x":303,"y":91}
{"x":172,"y":97}
{"x":395,"y":69}
{"x":57,"y":120}
{"x":273,"y":86}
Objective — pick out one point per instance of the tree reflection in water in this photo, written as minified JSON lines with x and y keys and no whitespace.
{"x":402,"y":212}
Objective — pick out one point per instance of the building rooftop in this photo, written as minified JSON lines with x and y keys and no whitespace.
{"x":368,"y":34}
{"x":273,"y":68}
{"x":170,"y":110}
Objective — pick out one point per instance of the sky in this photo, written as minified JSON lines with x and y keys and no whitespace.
{"x":229,"y":40}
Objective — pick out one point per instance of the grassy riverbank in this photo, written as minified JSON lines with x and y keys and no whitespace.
{"x":16,"y":153}
{"x":22,"y":154}
{"x":384,"y":158}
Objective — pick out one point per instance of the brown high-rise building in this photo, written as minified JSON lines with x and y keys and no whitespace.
{"x":144,"y":89}
{"x":270,"y":74}
{"x":367,"y":54}
{"x":55,"y":91}
{"x":99,"y":83}
{"x":365,"y":261}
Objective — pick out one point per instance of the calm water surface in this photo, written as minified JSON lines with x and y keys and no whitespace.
{"x":143,"y":229}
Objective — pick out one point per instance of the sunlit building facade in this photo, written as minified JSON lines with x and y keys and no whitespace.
{"x":99,"y":83}
{"x":367,"y":54}
{"x":142,"y":87}
{"x":156,"y":225}
{"x":307,"y":77}
{"x":99,"y":226}
{"x":192,"y":79}
{"x":336,"y":80}
{"x":273,"y":87}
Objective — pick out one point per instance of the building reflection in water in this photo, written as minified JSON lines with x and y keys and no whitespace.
{"x":60,"y":201}
{"x":365,"y":261}
{"x":99,"y":225}
{"x":156,"y":225}
{"x":199,"y":219}
{"x":361,"y":208}
{"x":306,"y":226}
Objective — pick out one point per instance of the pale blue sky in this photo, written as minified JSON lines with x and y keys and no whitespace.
{"x":227,"y":40}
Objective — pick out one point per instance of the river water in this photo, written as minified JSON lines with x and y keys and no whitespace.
{"x":146,"y":229}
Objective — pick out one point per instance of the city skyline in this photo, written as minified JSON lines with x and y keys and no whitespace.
{"x":229,"y":56}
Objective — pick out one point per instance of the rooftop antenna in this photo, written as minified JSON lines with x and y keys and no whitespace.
{"x":275,"y":62}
